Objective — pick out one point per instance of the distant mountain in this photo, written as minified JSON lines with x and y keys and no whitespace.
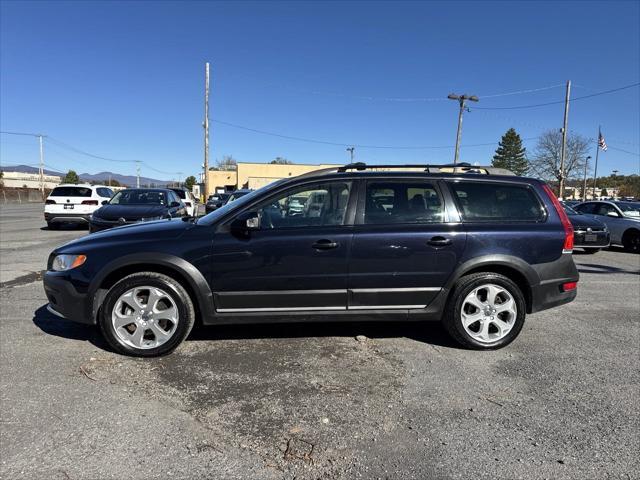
{"x":102,"y":177}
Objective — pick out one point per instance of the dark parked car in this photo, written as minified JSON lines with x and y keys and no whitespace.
{"x":476,"y":251}
{"x":590,"y":234}
{"x":216,"y":201}
{"x":137,"y":205}
{"x":621,"y":218}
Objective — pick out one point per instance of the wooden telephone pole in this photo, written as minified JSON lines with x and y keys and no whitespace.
{"x":564,"y":140}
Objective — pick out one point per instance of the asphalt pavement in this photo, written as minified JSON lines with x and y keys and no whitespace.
{"x":313,"y":401}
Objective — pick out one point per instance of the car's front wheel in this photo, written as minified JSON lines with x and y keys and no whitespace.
{"x":146,"y":314}
{"x":486,"y":311}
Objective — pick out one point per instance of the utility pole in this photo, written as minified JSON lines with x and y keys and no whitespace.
{"x":137,"y":174}
{"x":615,"y":173}
{"x":584,"y":187}
{"x":109,"y":179}
{"x":206,"y":130}
{"x":41,"y":169}
{"x":350,"y":150}
{"x":595,"y":170}
{"x":564,"y":139}
{"x":461,"y":99}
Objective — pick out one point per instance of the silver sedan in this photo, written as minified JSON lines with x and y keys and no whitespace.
{"x":622,"y":219}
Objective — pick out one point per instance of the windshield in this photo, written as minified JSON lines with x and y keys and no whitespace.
{"x":236,"y":195}
{"x":569,"y":210}
{"x":229,"y":206}
{"x":629,"y":209}
{"x":139,"y":197}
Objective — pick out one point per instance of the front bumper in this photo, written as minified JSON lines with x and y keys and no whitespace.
{"x":602,"y":239}
{"x":66,"y":299}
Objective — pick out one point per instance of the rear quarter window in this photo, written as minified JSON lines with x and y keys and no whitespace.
{"x":486,"y":202}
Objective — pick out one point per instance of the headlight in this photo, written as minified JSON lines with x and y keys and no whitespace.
{"x":149,"y":219}
{"x":62,"y":263}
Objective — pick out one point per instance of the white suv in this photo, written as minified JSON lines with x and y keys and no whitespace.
{"x":69,"y":203}
{"x":188,"y":199}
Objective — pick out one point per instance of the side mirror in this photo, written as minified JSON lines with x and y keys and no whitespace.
{"x":244,"y":223}
{"x":104,"y":202}
{"x":174,"y":204}
{"x":613,"y":214}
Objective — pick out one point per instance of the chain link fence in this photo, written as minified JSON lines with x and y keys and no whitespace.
{"x":21,"y":195}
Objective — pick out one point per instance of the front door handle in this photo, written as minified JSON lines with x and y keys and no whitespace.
{"x":439,"y":241}
{"x":324,"y":244}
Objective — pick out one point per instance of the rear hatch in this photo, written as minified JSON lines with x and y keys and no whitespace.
{"x":70,"y":200}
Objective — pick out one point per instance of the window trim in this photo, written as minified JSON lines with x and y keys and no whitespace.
{"x":434,"y":182}
{"x":456,"y":201}
{"x":348,"y":217}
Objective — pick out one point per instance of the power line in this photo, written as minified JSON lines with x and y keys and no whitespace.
{"x":23,"y":133}
{"x":559,"y":101}
{"x":624,"y":151}
{"x":324,"y":142}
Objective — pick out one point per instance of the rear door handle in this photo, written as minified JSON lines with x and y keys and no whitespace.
{"x":439,"y":241}
{"x":324,"y":244}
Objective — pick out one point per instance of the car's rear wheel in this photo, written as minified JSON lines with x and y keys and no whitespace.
{"x":146,"y":314}
{"x":631,"y":241}
{"x":486,"y":311}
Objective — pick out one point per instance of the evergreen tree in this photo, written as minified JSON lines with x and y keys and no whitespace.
{"x":510,"y":154}
{"x":189,"y":182}
{"x":604,"y":193}
{"x":71,"y":177}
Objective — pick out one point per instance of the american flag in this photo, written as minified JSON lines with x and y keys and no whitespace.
{"x":601,"y":143}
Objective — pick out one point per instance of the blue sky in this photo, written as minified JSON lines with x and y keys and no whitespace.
{"x":124,"y":80}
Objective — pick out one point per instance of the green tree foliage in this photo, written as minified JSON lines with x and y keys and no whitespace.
{"x":189,"y":182}
{"x":71,"y":177}
{"x":281,"y":161}
{"x":510,"y":154}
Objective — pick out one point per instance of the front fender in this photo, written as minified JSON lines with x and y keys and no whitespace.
{"x":196,"y":281}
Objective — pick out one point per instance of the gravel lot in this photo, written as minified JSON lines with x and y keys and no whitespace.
{"x":312,"y":401}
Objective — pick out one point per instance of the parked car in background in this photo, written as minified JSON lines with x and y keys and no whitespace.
{"x":590,"y":234}
{"x":216,"y":201}
{"x":188,"y":199}
{"x":70,"y":203}
{"x":475,"y":251}
{"x":621,"y":218}
{"x":137,"y":205}
{"x":571,"y":203}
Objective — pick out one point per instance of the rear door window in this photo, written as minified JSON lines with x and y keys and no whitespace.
{"x":396,"y":202}
{"x":489,"y":201}
{"x":71,"y":192}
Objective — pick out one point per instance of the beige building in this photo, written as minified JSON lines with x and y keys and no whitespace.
{"x":256,"y":175}
{"x":28,"y":180}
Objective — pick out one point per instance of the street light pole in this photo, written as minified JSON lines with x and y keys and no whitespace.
{"x":461,"y":99}
{"x":615,"y":173}
{"x":350,"y":150}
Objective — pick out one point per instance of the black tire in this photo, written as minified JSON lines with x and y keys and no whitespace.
{"x":590,"y":251}
{"x":452,"y":320}
{"x":53,"y":226}
{"x":631,"y":241}
{"x":178,"y":295}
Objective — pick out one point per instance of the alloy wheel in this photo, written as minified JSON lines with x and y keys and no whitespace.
{"x":488,"y":313}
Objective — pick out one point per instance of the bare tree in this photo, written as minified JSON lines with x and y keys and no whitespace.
{"x":227,"y":163}
{"x":546,"y":156}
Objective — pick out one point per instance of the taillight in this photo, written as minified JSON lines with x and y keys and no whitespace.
{"x":49,"y":202}
{"x":90,"y":202}
{"x":566,"y":287}
{"x":568,"y":228}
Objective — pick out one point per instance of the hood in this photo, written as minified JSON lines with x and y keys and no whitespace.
{"x":130,"y":212}
{"x":584,"y":221}
{"x":139,"y":232}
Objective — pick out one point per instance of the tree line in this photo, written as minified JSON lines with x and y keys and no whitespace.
{"x":544,"y":162}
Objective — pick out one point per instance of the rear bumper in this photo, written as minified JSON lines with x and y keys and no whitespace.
{"x":65,"y":300}
{"x":549,"y":292}
{"x":66,"y":217}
